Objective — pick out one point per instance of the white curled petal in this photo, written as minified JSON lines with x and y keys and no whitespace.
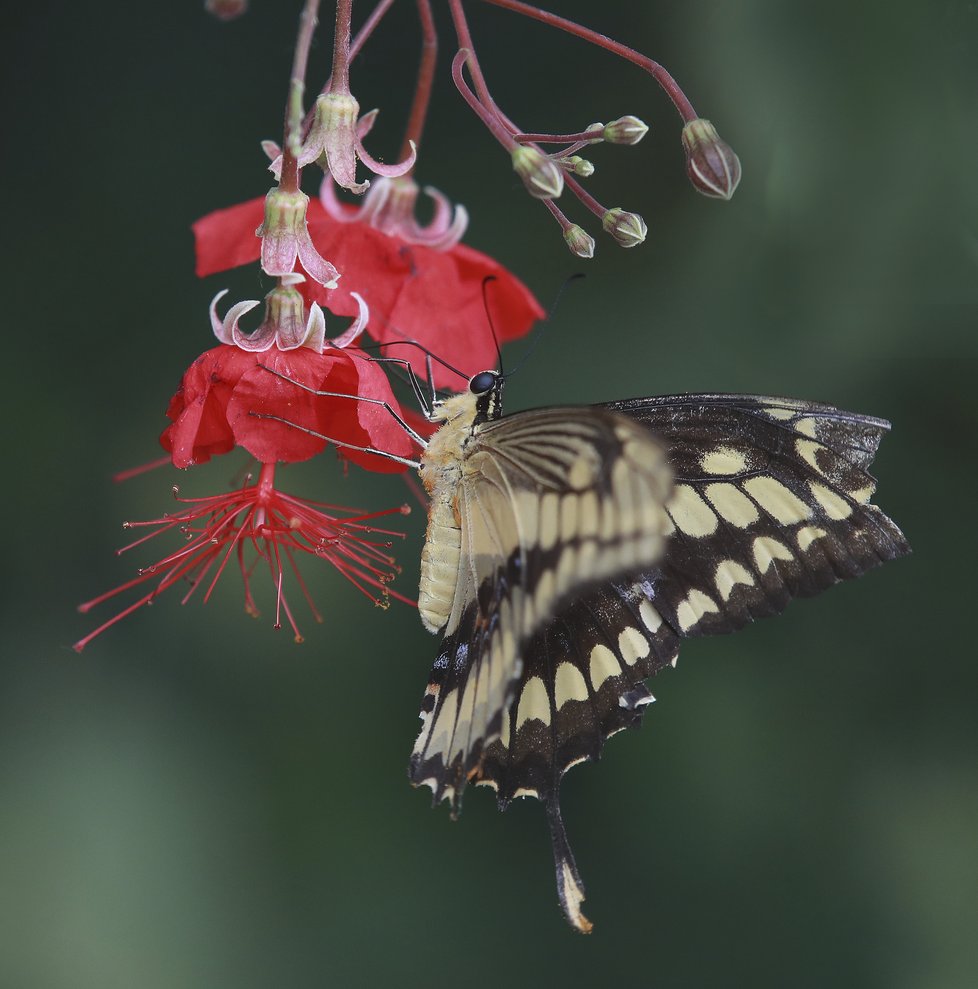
{"x":445,"y":239}
{"x":315,"y":338}
{"x":356,"y":327}
{"x":260,"y":340}
{"x":292,"y":278}
{"x":316,"y":265}
{"x":217,"y":324}
{"x":389,"y":171}
{"x":375,"y":202}
{"x":366,"y":122}
{"x":271,"y":149}
{"x":334,"y":206}
{"x":442,"y":219}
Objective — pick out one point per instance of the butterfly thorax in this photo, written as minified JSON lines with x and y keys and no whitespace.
{"x":441,"y":472}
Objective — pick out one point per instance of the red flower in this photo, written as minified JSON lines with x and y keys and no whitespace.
{"x":433,"y":295}
{"x":260,"y":526}
{"x":227,"y":391}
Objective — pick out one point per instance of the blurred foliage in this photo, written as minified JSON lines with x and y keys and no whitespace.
{"x":196,"y":802}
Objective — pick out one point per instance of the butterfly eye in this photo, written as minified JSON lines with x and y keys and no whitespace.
{"x":484,"y":381}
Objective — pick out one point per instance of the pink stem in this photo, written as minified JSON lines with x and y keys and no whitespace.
{"x":661,"y":76}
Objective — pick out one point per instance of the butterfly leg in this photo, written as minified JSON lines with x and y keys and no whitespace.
{"x":340,"y":443}
{"x":417,"y":437}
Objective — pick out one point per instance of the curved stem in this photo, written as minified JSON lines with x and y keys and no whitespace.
{"x":292,"y":138}
{"x":369,"y":26}
{"x":661,"y":76}
{"x":426,"y":75}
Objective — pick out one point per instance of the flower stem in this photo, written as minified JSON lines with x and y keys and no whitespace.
{"x":369,"y":26}
{"x":661,"y":76}
{"x":289,"y":182}
{"x":426,"y":75}
{"x":339,"y":78}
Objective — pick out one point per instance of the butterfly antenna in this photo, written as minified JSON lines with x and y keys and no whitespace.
{"x":538,"y":333}
{"x":485,"y":304}
{"x":424,"y":350}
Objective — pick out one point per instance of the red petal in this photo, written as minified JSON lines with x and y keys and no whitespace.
{"x":260,"y":391}
{"x":226,"y":238}
{"x":198,"y":410}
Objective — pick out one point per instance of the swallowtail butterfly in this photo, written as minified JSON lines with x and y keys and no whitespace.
{"x":569,"y":550}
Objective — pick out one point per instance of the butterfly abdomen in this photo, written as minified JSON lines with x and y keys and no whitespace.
{"x":441,"y":471}
{"x":439,"y":563}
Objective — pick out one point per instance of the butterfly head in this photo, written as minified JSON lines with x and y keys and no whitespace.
{"x":487,"y":388}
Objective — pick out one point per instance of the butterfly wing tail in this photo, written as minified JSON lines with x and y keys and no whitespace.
{"x":570,"y":889}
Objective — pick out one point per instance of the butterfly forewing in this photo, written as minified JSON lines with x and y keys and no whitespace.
{"x":548,"y":503}
{"x":771,"y":502}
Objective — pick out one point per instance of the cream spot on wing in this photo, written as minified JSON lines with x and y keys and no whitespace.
{"x":624,"y":496}
{"x":807,"y":427}
{"x":504,"y":730}
{"x":645,"y":454}
{"x":610,"y":525}
{"x":650,"y":617}
{"x":581,"y":473}
{"x":777,"y":500}
{"x":569,"y":685}
{"x":807,"y":449}
{"x":691,"y":513}
{"x":776,"y":413}
{"x":460,"y":741}
{"x":862,"y":495}
{"x":723,"y":460}
{"x":807,"y":535}
{"x":603,"y":664}
{"x":632,"y":645}
{"x":441,"y":732}
{"x":568,"y":516}
{"x":732,"y":504}
{"x":567,"y":569}
{"x":696,"y":605}
{"x":728,"y":574}
{"x":588,"y":514}
{"x":834,"y":506}
{"x":525,"y":791}
{"x":545,"y":593}
{"x":587,"y":555}
{"x":549,"y":520}
{"x":527,"y":516}
{"x":767,"y":550}
{"x":534,"y":703}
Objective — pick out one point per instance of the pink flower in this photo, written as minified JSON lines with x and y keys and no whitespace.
{"x":416,"y":291}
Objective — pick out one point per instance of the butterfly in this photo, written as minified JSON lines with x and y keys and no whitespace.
{"x":569,"y":550}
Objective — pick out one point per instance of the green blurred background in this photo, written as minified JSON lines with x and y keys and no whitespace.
{"x":197,"y":802}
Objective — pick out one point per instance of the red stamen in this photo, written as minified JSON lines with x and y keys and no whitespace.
{"x":257,"y":522}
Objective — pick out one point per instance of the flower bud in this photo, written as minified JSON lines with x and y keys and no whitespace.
{"x":225,"y":10}
{"x":628,"y":229}
{"x":579,"y":241}
{"x":542,"y":178}
{"x":576,"y":164}
{"x":625,"y":130}
{"x":711,"y":164}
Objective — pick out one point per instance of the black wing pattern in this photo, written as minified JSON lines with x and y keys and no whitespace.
{"x":548,"y":502}
{"x":771,"y":501}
